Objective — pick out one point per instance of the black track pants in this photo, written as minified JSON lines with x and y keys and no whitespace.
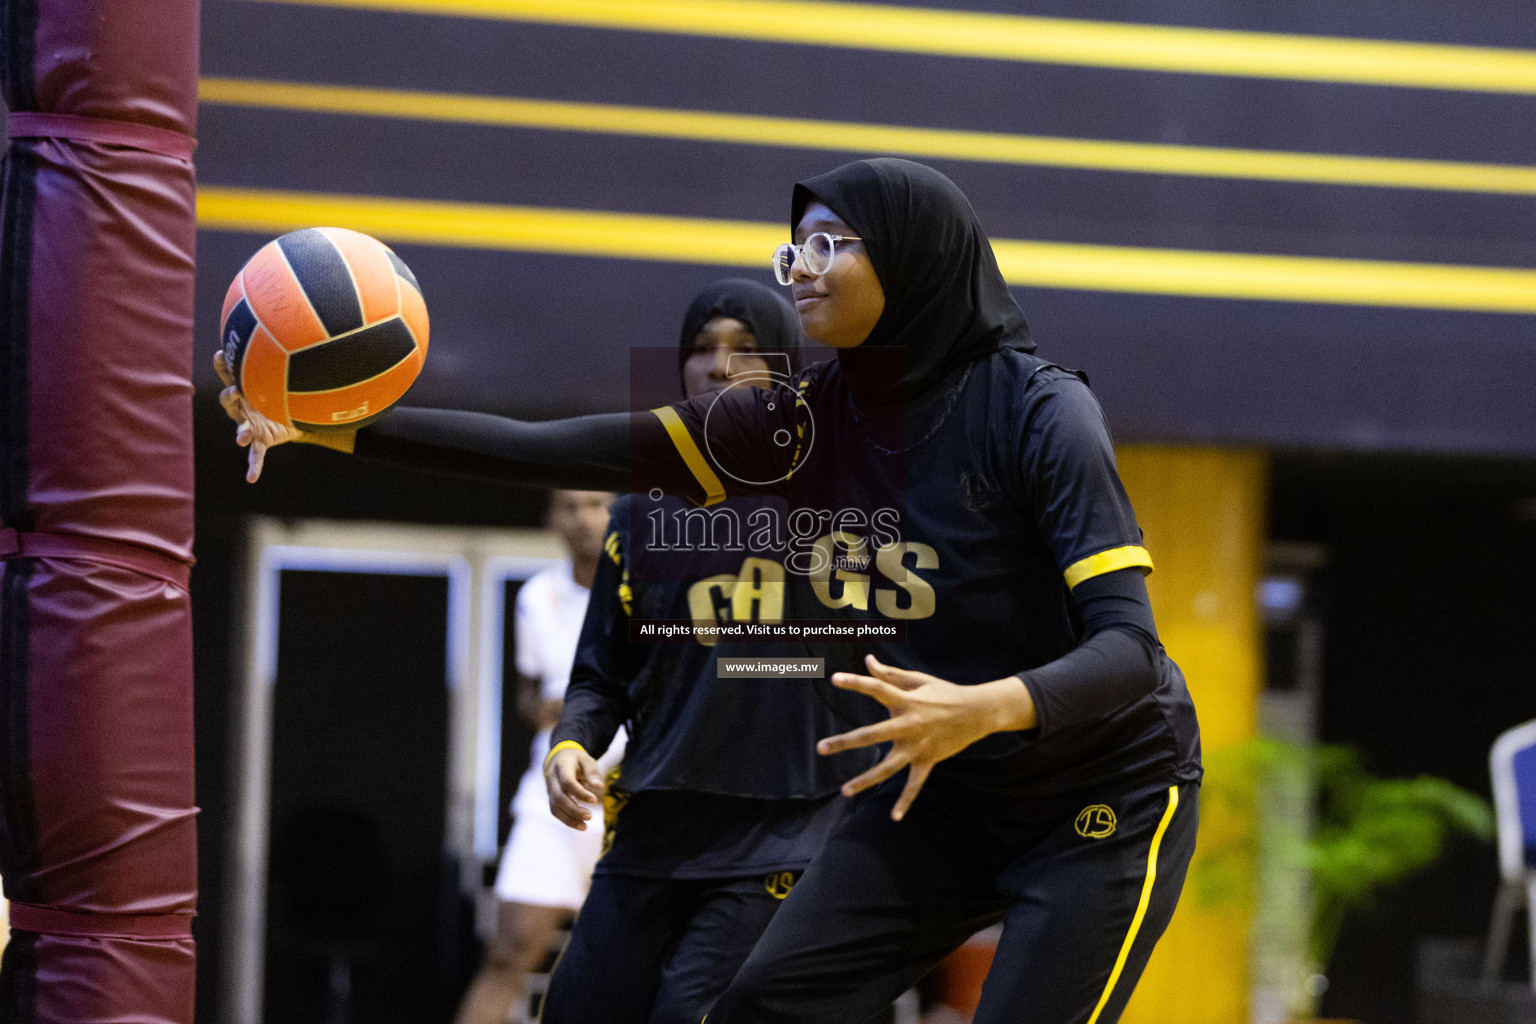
{"x":1083,"y":899}
{"x":658,"y":951}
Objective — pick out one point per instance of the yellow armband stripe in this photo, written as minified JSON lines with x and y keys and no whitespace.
{"x":714,"y":490}
{"x":1108,"y":561}
{"x":563,"y":745}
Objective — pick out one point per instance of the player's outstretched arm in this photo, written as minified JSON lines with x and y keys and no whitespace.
{"x":611,"y":452}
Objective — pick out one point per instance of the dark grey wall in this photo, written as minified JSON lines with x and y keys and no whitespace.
{"x":1427,"y":603}
{"x":543,"y":335}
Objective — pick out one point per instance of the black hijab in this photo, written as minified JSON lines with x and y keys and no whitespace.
{"x":945,"y":299}
{"x":765,"y":311}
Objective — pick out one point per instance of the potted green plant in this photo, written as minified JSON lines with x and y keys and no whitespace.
{"x":1325,"y":836}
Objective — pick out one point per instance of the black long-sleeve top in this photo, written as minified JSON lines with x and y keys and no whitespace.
{"x":690,"y":729}
{"x":990,"y":520}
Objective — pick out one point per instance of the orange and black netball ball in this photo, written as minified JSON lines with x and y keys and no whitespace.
{"x":324,"y":329}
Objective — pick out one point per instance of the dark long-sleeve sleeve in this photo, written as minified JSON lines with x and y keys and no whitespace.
{"x":608,"y":452}
{"x":1068,"y":469}
{"x":673,"y":448}
{"x":597,"y":699}
{"x":1117,"y":663}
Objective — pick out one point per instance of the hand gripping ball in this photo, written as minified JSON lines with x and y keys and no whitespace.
{"x":324,"y":329}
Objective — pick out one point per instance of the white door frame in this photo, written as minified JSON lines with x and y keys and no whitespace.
{"x":476,"y":563}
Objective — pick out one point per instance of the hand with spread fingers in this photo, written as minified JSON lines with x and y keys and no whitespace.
{"x":258,"y":432}
{"x":931,"y":719}
{"x":252,"y":429}
{"x":573,"y":778}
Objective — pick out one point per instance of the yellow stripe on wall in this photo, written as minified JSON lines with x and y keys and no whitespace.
{"x":843,"y":136}
{"x":749,"y":243}
{"x":728,"y":243}
{"x":1020,"y":37}
{"x":1225,"y":275}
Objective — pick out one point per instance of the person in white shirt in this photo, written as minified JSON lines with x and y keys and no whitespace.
{"x":545,"y":867}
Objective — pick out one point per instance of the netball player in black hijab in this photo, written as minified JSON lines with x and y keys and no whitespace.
{"x":916,"y":228}
{"x":964,"y":517}
{"x":1057,"y":798}
{"x":758,"y":310}
{"x":721,"y":801}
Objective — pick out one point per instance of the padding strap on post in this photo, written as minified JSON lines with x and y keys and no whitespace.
{"x":164,"y":141}
{"x":28,"y":917}
{"x":14,"y":544}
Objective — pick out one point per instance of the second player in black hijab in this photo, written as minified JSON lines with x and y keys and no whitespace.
{"x":722,"y":800}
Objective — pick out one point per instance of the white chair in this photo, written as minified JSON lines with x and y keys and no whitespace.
{"x":1513,"y":766}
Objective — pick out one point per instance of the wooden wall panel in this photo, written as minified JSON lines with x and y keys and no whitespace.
{"x":1203,"y":513}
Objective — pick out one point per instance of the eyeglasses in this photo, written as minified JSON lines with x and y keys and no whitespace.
{"x":817,"y":253}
